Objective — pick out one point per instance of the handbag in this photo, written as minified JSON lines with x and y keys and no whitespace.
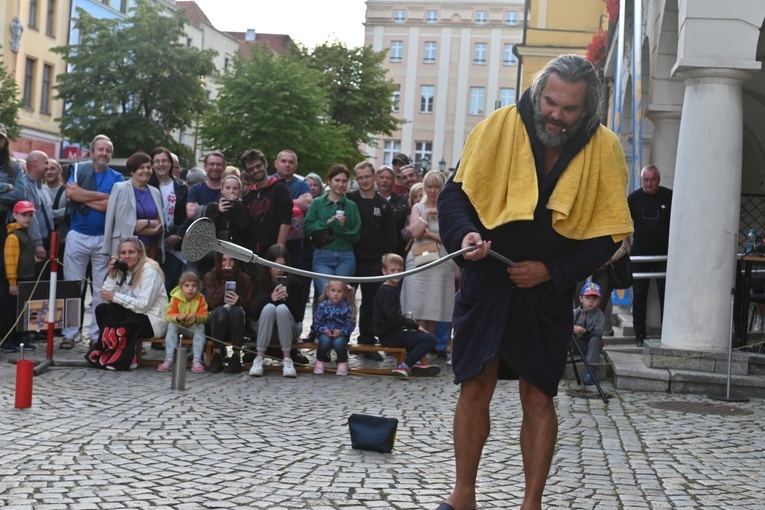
{"x":620,"y":271}
{"x":322,"y":238}
{"x":425,"y":253}
{"x":372,"y":433}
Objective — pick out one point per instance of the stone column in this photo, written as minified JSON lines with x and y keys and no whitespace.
{"x":666,"y":133}
{"x":705,"y":211}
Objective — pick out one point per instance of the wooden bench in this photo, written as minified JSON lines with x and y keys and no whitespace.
{"x":187,"y":341}
{"x":399,"y":353}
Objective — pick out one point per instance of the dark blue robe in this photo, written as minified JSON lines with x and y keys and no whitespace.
{"x":529,"y":329}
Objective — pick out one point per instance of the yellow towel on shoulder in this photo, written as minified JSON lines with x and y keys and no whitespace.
{"x":498,"y":174}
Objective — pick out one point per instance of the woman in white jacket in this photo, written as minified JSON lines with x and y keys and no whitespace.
{"x":134,"y":307}
{"x":135,"y":208}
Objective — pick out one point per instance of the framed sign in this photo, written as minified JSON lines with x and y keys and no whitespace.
{"x":35,"y":317}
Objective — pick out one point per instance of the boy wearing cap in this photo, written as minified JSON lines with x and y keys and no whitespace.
{"x":588,"y":325}
{"x":19,"y":263}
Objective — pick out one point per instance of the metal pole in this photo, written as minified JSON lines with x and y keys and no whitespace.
{"x":179,"y":366}
{"x":727,"y":397}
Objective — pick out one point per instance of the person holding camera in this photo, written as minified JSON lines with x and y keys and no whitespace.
{"x":220,"y":212}
{"x":279,"y":308}
{"x":133,"y":307}
{"x":229,"y":299}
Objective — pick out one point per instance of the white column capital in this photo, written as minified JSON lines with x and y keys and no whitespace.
{"x":660,"y":115}
{"x":713,"y":75}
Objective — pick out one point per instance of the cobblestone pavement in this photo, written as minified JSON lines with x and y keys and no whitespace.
{"x":98,"y":439}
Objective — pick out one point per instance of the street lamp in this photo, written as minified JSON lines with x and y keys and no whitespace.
{"x":425,"y":165}
{"x":442,"y":165}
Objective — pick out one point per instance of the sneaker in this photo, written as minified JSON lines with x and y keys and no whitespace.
{"x":588,"y":380}
{"x":234,"y":365}
{"x":197,"y":367}
{"x":166,"y":365}
{"x":216,"y":364}
{"x":133,"y":364}
{"x":421,"y":369}
{"x":288,"y":368}
{"x":342,"y":369}
{"x":257,"y":367}
{"x":318,"y":367}
{"x":8,"y":348}
{"x":374,"y":356}
{"x":400,"y":371}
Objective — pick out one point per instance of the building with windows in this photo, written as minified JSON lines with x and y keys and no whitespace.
{"x":453,"y":64}
{"x":30,"y":29}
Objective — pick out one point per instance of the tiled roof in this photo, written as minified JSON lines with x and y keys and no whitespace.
{"x":278,"y":43}
{"x":194,"y":12}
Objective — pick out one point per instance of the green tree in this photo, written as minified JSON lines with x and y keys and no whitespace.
{"x":9,"y":102}
{"x":134,"y":79}
{"x":274,"y":103}
{"x":358,"y":90}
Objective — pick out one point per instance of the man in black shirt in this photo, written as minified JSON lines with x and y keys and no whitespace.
{"x":378,"y":236}
{"x":650,"y":208}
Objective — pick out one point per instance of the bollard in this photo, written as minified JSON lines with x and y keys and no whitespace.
{"x":179,"y":366}
{"x":25,"y":371}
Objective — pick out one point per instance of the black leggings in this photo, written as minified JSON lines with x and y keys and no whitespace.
{"x":227,"y":325}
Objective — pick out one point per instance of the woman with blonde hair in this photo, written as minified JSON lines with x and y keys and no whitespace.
{"x":429,"y":295}
{"x":134,"y":307}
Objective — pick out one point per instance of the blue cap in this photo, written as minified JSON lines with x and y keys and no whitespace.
{"x":591,"y":289}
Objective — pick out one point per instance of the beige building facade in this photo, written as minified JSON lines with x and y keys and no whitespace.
{"x":453,"y":64}
{"x":30,"y":29}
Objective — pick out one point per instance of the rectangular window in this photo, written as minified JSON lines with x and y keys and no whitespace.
{"x":511,"y":18}
{"x":45,"y":91}
{"x":506,"y":97}
{"x":427,"y":92}
{"x":396,"y":51}
{"x":29,"y":80}
{"x":431,"y":16}
{"x":423,"y":150}
{"x":430,"y":53}
{"x":50,"y":17}
{"x":399,"y":16}
{"x":479,"y":53}
{"x":390,"y":147}
{"x":395,"y":100}
{"x":226,"y":64}
{"x":476,"y":100}
{"x":481,"y":17}
{"x":509,"y":58}
{"x":32,"y":13}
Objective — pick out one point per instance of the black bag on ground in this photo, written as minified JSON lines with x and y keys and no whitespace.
{"x":322,"y":238}
{"x":373,"y":433}
{"x":621,"y":273}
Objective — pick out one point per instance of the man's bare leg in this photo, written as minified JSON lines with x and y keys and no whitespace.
{"x":471,"y":429}
{"x":539,"y":431}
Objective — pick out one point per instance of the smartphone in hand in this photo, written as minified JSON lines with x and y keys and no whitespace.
{"x":230,"y":286}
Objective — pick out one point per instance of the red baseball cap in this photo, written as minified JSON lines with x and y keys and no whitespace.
{"x":23,"y":206}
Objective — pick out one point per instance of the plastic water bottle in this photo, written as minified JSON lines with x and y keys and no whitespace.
{"x":750,"y":242}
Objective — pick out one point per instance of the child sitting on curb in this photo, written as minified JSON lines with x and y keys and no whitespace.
{"x":396,"y":330}
{"x":187,"y":311}
{"x":588,"y":325}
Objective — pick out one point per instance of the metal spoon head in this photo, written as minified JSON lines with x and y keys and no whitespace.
{"x":199,"y":240}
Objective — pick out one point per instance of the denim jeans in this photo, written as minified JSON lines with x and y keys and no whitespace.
{"x":340,"y":263}
{"x":339,"y":344}
{"x":171,"y":338}
{"x":416,"y":343}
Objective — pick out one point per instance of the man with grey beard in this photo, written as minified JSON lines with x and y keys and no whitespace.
{"x":542,"y":183}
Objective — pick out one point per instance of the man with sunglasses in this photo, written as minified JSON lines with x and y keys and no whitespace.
{"x":650,"y":207}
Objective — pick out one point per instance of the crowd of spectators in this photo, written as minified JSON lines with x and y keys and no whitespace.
{"x":123,"y":234}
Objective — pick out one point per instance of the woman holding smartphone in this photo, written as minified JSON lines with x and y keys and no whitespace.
{"x":279,"y":308}
{"x":228,"y":293}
